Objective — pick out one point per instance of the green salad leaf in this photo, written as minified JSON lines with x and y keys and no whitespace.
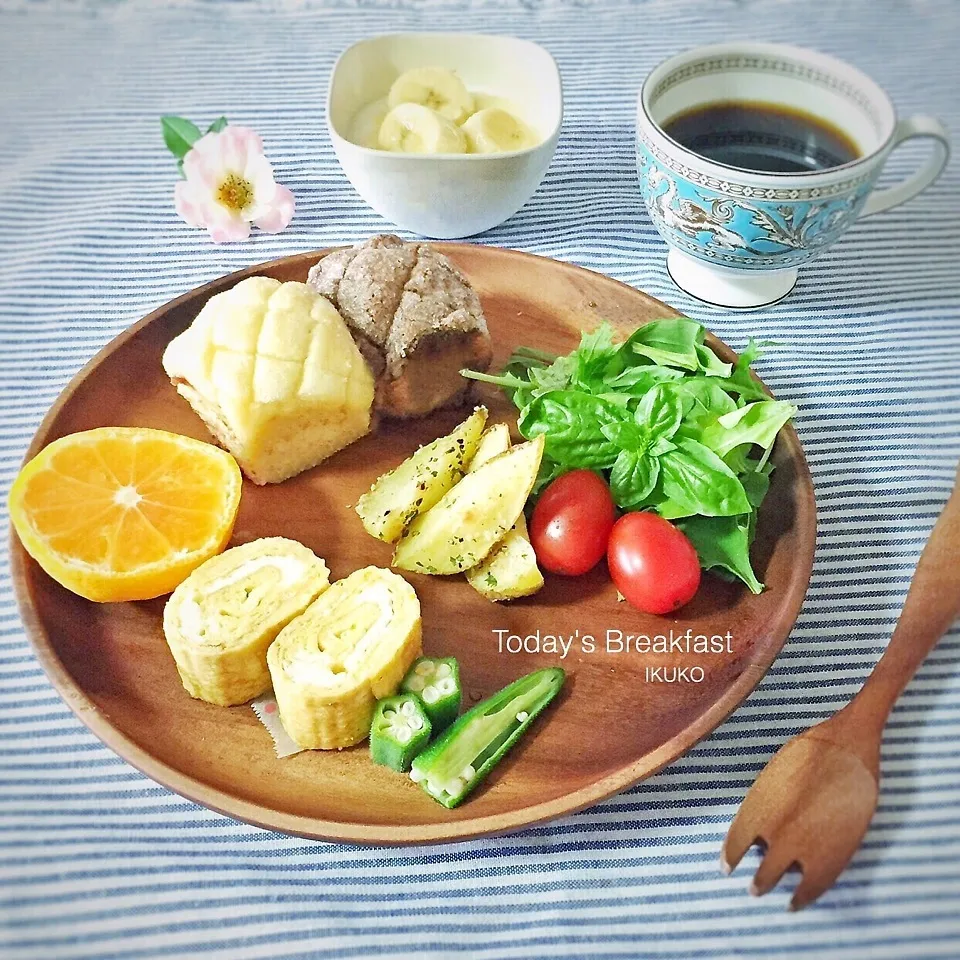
{"x":723,"y":543}
{"x":756,"y":424}
{"x":633,"y":477}
{"x":671,"y":343}
{"x":696,"y":480}
{"x":711,"y":364}
{"x":675,"y":428}
{"x":571,"y":422}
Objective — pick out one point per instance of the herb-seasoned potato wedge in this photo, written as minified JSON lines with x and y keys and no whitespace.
{"x":495,"y":440}
{"x":463,"y":527}
{"x":510,"y":569}
{"x":399,"y":496}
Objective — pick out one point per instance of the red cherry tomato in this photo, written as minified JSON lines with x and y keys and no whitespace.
{"x":653,"y":564}
{"x":571,"y":523}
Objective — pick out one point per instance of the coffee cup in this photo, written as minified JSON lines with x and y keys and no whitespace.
{"x":754,"y":158}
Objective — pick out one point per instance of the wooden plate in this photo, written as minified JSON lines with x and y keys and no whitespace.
{"x":612,"y":725}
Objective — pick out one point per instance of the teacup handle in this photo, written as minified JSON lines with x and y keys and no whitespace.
{"x":919,"y":125}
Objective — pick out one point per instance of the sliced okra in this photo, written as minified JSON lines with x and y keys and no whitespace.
{"x":399,"y":731}
{"x":436,"y":681}
{"x":459,"y":759}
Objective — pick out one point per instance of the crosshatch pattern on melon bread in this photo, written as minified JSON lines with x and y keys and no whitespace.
{"x":415,"y":317}
{"x":272,"y":370}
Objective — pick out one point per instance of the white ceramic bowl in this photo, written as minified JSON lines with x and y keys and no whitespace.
{"x":451,"y":195}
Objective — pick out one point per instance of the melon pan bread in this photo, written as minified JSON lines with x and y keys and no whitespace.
{"x":273,"y":371}
{"x":414,"y":316}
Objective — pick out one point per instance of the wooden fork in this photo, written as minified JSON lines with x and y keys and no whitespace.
{"x":811,"y":805}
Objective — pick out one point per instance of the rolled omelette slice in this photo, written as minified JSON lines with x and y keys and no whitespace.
{"x":350,"y":648}
{"x":220,"y":621}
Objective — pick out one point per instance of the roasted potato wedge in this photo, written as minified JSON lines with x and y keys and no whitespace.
{"x":399,"y":496}
{"x":463,"y":527}
{"x":495,"y":440}
{"x":510,"y":569}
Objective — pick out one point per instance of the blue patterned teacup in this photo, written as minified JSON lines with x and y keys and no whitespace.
{"x":737,"y":235}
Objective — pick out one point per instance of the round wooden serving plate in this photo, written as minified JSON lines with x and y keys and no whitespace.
{"x":612,"y":724}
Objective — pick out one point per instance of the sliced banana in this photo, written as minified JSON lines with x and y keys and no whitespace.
{"x":481,"y":101}
{"x":365,"y":127}
{"x":493,"y":130}
{"x":413,"y":128}
{"x":434,"y":87}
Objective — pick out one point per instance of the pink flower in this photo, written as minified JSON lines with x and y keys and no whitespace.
{"x":229,"y":185}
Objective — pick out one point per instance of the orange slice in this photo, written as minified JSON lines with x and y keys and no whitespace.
{"x":125,"y":513}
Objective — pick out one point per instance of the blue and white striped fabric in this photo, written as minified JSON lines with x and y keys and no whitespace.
{"x":98,"y":862}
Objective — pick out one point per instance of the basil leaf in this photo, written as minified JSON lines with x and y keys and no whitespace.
{"x":756,"y":483}
{"x":179,"y":135}
{"x":660,"y":412}
{"x":757,"y":424}
{"x":571,"y":422}
{"x":594,"y":355}
{"x":672,"y":511}
{"x":217,"y":125}
{"x":672,"y":342}
{"x":711,"y":364}
{"x":724,"y":543}
{"x":558,"y":375}
{"x":627,"y":436}
{"x":636,"y":381}
{"x":697,"y":480}
{"x":703,"y":398}
{"x":661,"y":445}
{"x":632,"y":479}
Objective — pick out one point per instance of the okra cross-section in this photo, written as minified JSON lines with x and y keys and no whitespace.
{"x":400,"y":730}
{"x":436,"y":681}
{"x":459,"y":759}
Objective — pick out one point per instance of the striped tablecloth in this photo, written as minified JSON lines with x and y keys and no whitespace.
{"x":97,"y":861}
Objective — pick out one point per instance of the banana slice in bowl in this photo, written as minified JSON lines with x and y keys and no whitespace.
{"x":351,"y":647}
{"x":220,"y":621}
{"x":365,"y":128}
{"x":434,"y":87}
{"x":495,"y":130}
{"x":413,"y":128}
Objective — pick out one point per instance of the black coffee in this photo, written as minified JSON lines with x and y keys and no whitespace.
{"x":761,"y":136}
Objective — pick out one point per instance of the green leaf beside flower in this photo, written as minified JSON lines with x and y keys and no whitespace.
{"x":179,"y":135}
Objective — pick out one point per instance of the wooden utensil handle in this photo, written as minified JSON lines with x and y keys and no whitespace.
{"x":932,"y":604}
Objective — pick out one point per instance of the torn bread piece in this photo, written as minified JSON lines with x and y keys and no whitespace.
{"x":416,"y":320}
